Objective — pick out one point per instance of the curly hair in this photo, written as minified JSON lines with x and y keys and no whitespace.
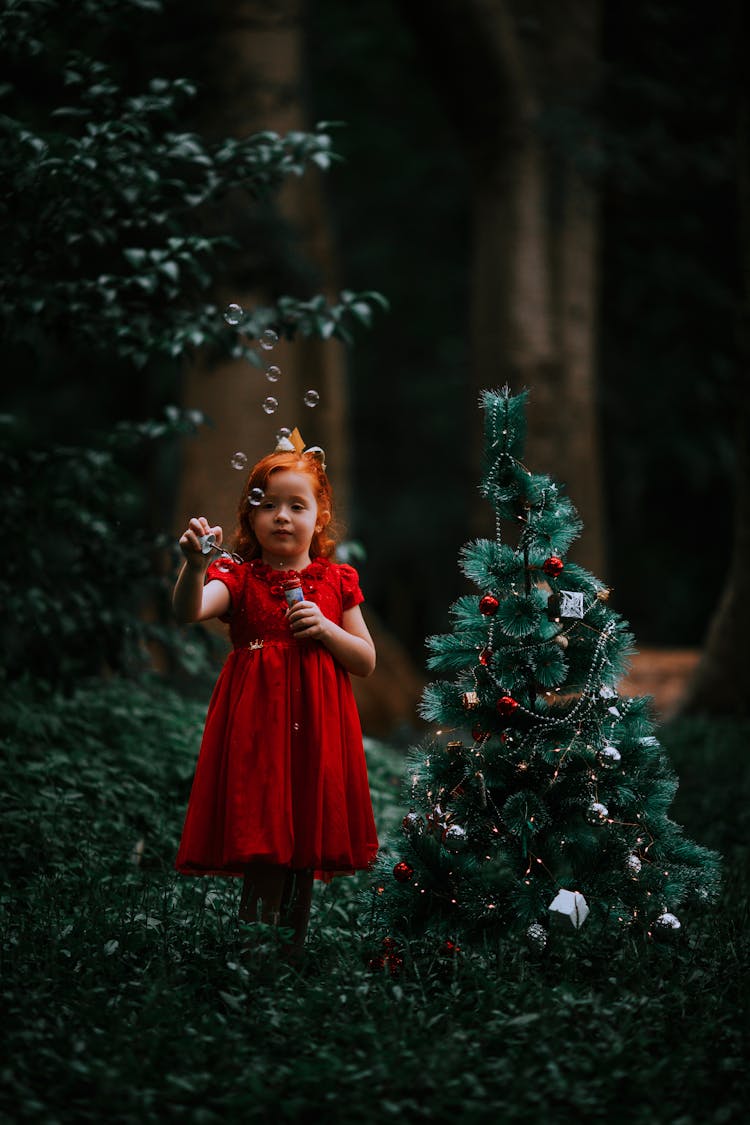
{"x":323,"y":542}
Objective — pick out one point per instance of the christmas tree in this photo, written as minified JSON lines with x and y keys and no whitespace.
{"x":539,"y":805}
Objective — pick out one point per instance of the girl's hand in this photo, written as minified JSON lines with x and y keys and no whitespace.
{"x":307,"y":621}
{"x":190,"y":545}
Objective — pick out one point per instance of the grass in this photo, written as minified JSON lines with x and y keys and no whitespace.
{"x":127,"y":998}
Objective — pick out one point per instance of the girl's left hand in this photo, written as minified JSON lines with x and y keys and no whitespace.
{"x":307,"y":621}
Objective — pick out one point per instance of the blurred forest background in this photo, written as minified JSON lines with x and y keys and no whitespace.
{"x":549,"y":193}
{"x":546,"y":194}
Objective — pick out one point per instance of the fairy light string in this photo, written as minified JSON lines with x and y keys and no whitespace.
{"x":587,"y":699}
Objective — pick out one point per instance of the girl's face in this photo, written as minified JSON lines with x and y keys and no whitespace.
{"x":287,"y":518}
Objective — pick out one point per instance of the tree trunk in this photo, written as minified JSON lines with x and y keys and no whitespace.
{"x":257,"y":54}
{"x":721,"y":684}
{"x":258,"y":74}
{"x":536,"y":221}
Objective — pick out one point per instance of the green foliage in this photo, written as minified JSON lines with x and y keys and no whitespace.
{"x":110,"y":959}
{"x":542,"y":778}
{"x":91,"y":775}
{"x":84,"y":579}
{"x":130,"y":279}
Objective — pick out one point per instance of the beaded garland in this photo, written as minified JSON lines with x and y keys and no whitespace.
{"x":552,"y":567}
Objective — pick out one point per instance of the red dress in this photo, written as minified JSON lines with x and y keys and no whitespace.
{"x":281,"y":776}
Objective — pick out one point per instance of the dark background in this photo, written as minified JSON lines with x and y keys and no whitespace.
{"x":398,"y":212}
{"x":670,"y":282}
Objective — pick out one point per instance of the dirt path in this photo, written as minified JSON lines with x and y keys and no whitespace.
{"x":662,"y":673}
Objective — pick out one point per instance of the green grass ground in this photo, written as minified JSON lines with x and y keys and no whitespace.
{"x":125,"y":997}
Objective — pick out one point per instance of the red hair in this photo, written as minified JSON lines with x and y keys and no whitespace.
{"x":323,"y":544}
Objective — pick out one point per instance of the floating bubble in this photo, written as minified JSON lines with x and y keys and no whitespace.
{"x":283,"y":432}
{"x":239,"y":460}
{"x":312,"y":398}
{"x":255,"y":497}
{"x":233,"y":314}
{"x":268,"y":339}
{"x":270,"y":404}
{"x":273,"y":374}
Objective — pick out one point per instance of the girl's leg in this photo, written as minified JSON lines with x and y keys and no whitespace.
{"x":296,"y":903}
{"x":261,"y":893}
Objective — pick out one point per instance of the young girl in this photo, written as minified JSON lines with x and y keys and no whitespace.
{"x":280,"y":793}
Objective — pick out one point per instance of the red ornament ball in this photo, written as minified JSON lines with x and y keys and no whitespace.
{"x":506,"y":705}
{"x":450,"y":948}
{"x":389,"y":944}
{"x":488,"y":605}
{"x":376,"y":964}
{"x":553,"y":566}
{"x":485,"y":657}
{"x":403,"y":872}
{"x":478,"y":734}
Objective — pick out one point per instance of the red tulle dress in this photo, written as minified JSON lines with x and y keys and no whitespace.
{"x":281,"y":776}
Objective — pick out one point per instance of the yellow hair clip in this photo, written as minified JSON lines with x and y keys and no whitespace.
{"x":292,"y":442}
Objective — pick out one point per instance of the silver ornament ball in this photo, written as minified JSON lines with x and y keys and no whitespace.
{"x":667,"y":926}
{"x":456,"y":837}
{"x":596,"y":812}
{"x":412,"y":823}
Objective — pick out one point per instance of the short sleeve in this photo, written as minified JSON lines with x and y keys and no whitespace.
{"x":351,"y":594}
{"x":231,"y":574}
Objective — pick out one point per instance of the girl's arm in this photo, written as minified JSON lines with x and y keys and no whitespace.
{"x":191,"y":600}
{"x":350,"y":643}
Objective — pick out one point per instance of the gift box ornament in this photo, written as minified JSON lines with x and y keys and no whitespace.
{"x":565,"y":605}
{"x":569,"y":907}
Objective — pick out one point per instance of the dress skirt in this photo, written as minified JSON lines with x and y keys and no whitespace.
{"x":281,"y":776}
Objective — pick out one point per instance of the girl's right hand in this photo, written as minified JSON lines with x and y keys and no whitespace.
{"x":190,"y":545}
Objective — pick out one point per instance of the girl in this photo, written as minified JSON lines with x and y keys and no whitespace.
{"x":280,"y":793}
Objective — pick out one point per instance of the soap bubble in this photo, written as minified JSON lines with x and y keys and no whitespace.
{"x":312,"y":398}
{"x":273,"y":374}
{"x":270,"y":404}
{"x":256,"y":497}
{"x":283,"y":432}
{"x":268,"y":339}
{"x":233,"y":314}
{"x":239,"y":460}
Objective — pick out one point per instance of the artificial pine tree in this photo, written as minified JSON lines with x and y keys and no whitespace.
{"x":539,"y":805}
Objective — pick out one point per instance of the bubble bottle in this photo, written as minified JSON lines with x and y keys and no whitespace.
{"x":293,"y":591}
